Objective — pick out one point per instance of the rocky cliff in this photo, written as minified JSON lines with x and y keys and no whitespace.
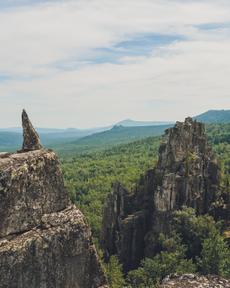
{"x":187,"y":174}
{"x":44,"y":240}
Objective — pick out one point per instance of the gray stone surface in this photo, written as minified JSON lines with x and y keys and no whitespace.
{"x":57,"y":254}
{"x":187,"y":169}
{"x":31,"y":139}
{"x":31,"y":184}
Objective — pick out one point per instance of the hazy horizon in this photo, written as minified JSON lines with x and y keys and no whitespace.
{"x":85,"y":128}
{"x":93,"y":63}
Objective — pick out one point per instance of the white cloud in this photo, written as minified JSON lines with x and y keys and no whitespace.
{"x":191,"y":72}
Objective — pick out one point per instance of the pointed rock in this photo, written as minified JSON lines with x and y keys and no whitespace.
{"x":31,"y":139}
{"x":186,"y":174}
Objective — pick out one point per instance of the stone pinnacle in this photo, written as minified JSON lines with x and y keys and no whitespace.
{"x":31,"y":139}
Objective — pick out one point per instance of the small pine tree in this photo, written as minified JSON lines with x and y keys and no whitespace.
{"x":114,"y":273}
{"x":153,"y":270}
{"x":215,"y":256}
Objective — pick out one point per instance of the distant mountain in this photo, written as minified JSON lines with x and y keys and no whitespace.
{"x":11,"y":138}
{"x":85,"y":139}
{"x":214,"y":116}
{"x":65,"y":131}
{"x":39,"y":130}
{"x":134,"y":123}
{"x":10,"y":141}
{"x":117,"y":135}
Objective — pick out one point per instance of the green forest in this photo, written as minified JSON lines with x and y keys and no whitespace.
{"x":89,"y":177}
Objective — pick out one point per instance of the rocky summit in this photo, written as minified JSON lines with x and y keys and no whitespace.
{"x":187,"y":174}
{"x":44,"y":240}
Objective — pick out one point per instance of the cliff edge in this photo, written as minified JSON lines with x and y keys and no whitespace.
{"x":44,"y":240}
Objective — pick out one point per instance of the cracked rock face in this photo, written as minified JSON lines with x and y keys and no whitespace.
{"x":187,"y":174}
{"x":187,"y":170}
{"x":58,"y":253}
{"x":31,"y":184}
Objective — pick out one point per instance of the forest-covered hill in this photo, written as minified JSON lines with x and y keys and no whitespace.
{"x":214,"y":116}
{"x":11,"y":139}
{"x":89,"y":177}
{"x":106,"y":139}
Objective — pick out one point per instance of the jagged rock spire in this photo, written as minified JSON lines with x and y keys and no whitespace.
{"x":31,"y":139}
{"x":186,"y":174}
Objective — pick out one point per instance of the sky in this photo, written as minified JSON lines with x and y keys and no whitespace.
{"x":88,"y":63}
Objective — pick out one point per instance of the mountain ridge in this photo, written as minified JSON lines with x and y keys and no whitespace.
{"x":10,"y":138}
{"x":136,"y":123}
{"x":214,"y":116}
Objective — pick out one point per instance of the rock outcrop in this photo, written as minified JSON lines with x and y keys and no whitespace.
{"x":31,"y":185}
{"x":31,"y":139}
{"x":187,"y":174}
{"x":194,"y":281}
{"x":44,"y":239}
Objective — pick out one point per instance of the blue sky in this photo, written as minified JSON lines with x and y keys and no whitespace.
{"x":87,"y":63}
{"x":20,"y":3}
{"x":214,"y":26}
{"x":143,"y":44}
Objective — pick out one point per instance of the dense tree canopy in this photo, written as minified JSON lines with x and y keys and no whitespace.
{"x":196,"y":243}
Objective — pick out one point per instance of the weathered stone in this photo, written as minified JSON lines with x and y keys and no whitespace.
{"x":187,"y":169}
{"x":194,"y":281}
{"x":31,"y":184}
{"x":124,"y":226}
{"x":31,"y":139}
{"x":59,"y":253}
{"x":186,"y":174}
